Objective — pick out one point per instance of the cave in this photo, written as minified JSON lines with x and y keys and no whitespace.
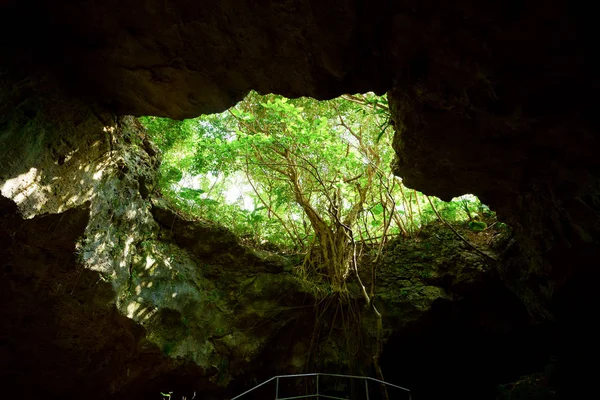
{"x":101,"y":281}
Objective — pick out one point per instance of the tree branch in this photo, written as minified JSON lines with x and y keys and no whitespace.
{"x":458,"y":234}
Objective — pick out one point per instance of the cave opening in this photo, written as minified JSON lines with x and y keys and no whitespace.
{"x":257,"y":167}
{"x":260,"y":169}
{"x":281,"y":173}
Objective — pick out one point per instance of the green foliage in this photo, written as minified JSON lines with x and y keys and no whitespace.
{"x":169,"y":347}
{"x":477,"y":226}
{"x":292,"y":171}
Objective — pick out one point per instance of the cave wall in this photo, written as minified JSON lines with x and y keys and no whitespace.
{"x":106,"y":292}
{"x":471,"y":332}
{"x":62,"y":335}
{"x":506,"y":114}
{"x":181,"y":59}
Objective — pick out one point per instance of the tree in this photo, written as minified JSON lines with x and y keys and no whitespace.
{"x":316,"y":176}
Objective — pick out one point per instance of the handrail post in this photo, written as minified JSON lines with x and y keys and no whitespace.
{"x":318,"y":387}
{"x":277,"y":388}
{"x":367,"y":388}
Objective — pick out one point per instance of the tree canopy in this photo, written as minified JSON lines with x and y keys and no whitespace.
{"x":307,"y":176}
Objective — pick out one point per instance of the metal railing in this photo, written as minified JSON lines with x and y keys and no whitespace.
{"x":319,"y":395}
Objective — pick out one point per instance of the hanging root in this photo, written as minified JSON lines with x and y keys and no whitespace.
{"x":378,"y":351}
{"x":339,"y":283}
{"x":370,"y":302}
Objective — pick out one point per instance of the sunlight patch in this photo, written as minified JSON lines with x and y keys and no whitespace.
{"x":21,"y":187}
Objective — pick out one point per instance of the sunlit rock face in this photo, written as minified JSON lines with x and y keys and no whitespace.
{"x":50,"y":166}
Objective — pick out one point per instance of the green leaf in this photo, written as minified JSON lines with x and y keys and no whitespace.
{"x":377,"y":209}
{"x":376,"y":223}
